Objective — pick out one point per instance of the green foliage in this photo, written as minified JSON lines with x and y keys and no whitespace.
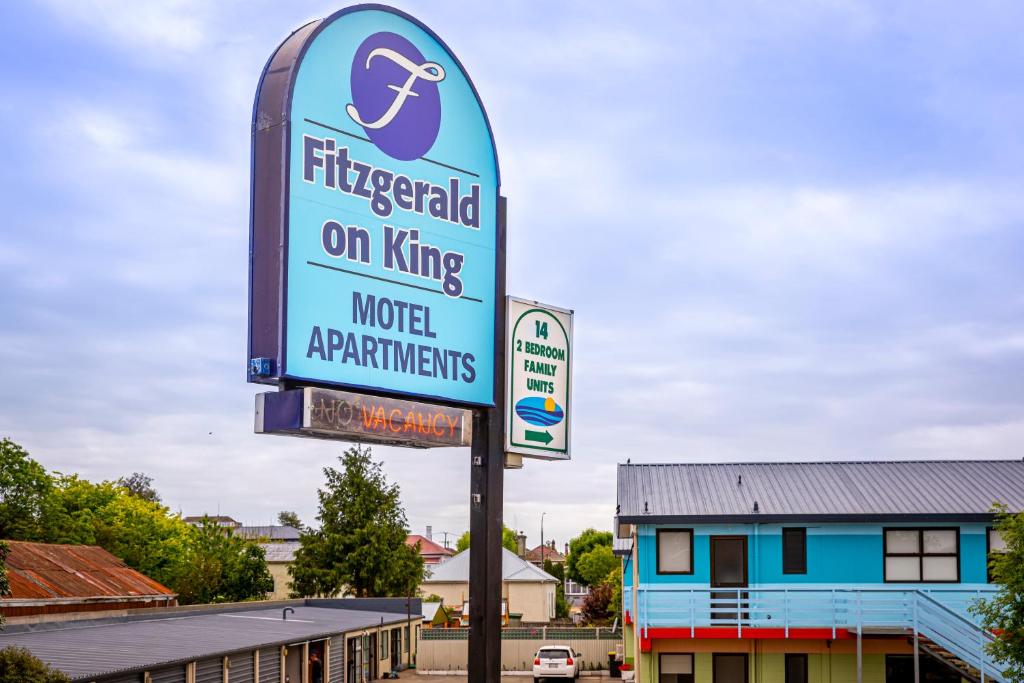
{"x":1004,"y":613}
{"x":614,"y":580}
{"x":580,"y":546}
{"x":508,"y":540}
{"x":5,"y":586}
{"x":360,"y":546}
{"x":289,"y":518}
{"x":219,"y":566}
{"x":131,"y":524}
{"x":595,"y":566}
{"x":24,"y":488}
{"x":141,"y":486}
{"x":17,"y":665}
{"x":142,"y":533}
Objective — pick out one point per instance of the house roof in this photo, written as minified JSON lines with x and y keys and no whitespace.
{"x":274,"y":532}
{"x":549,"y":554}
{"x":427,"y":547}
{"x":216,"y":519}
{"x":45,"y":571}
{"x":818,"y":491}
{"x":87,"y":650}
{"x":622,"y":547}
{"x":281,"y":551}
{"x":513,"y":568}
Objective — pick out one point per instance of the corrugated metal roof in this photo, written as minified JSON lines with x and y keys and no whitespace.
{"x":950,"y":488}
{"x":280,"y":552}
{"x":43,"y":570}
{"x":622,"y":547}
{"x":513,"y":568}
{"x":271,"y":533}
{"x":87,"y":651}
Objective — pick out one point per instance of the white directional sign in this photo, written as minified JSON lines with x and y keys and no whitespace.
{"x":538,"y":357}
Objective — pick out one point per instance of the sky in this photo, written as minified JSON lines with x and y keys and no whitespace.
{"x":788,"y":230}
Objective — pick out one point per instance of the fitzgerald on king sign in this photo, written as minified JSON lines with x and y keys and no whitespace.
{"x":374,"y":223}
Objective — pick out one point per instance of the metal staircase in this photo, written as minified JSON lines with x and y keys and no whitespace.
{"x":953,"y":639}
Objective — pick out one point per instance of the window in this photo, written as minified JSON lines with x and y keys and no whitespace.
{"x":675,"y":668}
{"x":922,"y":555}
{"x":406,"y":638}
{"x":675,"y":551}
{"x":994,"y":545}
{"x":796,"y":668}
{"x":384,"y":647}
{"x":729,"y":668}
{"x":794,"y":551}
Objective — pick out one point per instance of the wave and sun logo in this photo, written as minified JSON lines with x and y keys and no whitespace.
{"x":540,"y":411}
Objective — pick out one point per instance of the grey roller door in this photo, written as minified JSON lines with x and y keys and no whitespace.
{"x":210,"y":670}
{"x":172,"y":674}
{"x":337,"y":660}
{"x":240,"y":668}
{"x":270,"y":665}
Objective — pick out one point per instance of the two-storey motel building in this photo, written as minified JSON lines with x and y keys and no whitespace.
{"x":810,"y":572}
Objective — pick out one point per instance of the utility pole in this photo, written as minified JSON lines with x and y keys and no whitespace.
{"x":542,"y":539}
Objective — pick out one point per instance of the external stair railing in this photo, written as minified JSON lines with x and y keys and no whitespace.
{"x":940,"y":615}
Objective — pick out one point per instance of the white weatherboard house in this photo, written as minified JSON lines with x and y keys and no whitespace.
{"x":527,"y":589}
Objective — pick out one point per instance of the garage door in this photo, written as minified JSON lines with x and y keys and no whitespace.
{"x":337,"y":659}
{"x":240,"y":668}
{"x":173,"y":674}
{"x":210,"y":670}
{"x":270,"y":665}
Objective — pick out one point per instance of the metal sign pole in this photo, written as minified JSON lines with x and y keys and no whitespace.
{"x":486,"y":485}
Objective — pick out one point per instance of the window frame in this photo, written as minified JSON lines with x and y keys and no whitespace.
{"x":989,"y":553}
{"x":657,"y":553}
{"x":746,"y":663}
{"x":920,"y":554}
{"x":802,"y":532}
{"x":693,"y":663}
{"x":795,"y":655}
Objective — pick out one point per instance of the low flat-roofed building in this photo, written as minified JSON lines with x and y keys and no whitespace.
{"x":356,"y":639}
{"x":48,"y":579}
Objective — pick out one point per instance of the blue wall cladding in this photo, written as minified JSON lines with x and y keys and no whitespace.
{"x":846,"y":554}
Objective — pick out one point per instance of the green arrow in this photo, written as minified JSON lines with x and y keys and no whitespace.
{"x":543,"y":437}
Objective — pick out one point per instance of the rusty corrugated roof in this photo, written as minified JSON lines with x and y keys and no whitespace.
{"x":44,"y":570}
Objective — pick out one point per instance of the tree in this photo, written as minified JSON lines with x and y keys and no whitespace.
{"x":557,"y":570}
{"x":5,"y":586}
{"x":1004,"y":613}
{"x":594,"y":566}
{"x":595,"y":605}
{"x":141,"y":486}
{"x":144,"y":534}
{"x":614,"y":580}
{"x":508,"y":540}
{"x":18,"y":665}
{"x":360,"y":546}
{"x":580,"y":546}
{"x":288,"y":518}
{"x":222,"y":567}
{"x":24,"y":488}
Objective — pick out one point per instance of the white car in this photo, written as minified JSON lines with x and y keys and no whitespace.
{"x":556,"y":661}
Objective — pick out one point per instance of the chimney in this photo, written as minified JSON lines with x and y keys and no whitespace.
{"x":566,"y":553}
{"x":521,"y":544}
{"x":430,"y":533}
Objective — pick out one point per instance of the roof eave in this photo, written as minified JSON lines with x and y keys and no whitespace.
{"x":792,"y":518}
